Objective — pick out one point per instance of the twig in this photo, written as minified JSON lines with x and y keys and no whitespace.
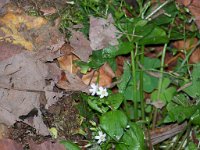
{"x":157,"y":9}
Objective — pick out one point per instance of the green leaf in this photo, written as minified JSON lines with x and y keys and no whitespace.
{"x":151,"y":63}
{"x":196,"y":118}
{"x":123,"y":48}
{"x":133,"y":139}
{"x":193,"y":90}
{"x":191,"y":146}
{"x":149,"y":83}
{"x":125,"y":78}
{"x":180,"y":113}
{"x":165,"y":96}
{"x":97,"y":59}
{"x":69,"y":145}
{"x":114,"y":123}
{"x":171,"y":12}
{"x":115,"y":100}
{"x":157,"y":36}
{"x":93,"y":103}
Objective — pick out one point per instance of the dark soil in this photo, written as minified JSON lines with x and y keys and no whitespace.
{"x":63,"y":116}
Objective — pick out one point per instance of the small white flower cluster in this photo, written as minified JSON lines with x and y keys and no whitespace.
{"x":100,"y":91}
{"x":101,"y":137}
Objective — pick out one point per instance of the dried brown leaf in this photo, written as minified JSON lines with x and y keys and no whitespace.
{"x":81,"y":45}
{"x":73,"y":83}
{"x":102,"y":33}
{"x":48,"y":145}
{"x":48,"y":11}
{"x":8,"y":144}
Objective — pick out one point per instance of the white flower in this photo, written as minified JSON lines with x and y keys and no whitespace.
{"x":101,"y":137}
{"x":94,"y":89}
{"x":102,"y":92}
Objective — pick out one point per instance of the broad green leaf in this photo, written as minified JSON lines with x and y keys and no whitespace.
{"x":193,"y":90}
{"x":94,"y":105}
{"x":133,"y":139}
{"x":191,"y":146}
{"x":180,"y":113}
{"x":69,"y":145}
{"x":128,"y":93}
{"x":113,"y":51}
{"x":125,"y":79}
{"x":97,"y":59}
{"x":181,"y":100}
{"x":149,"y":83}
{"x":151,"y":63}
{"x":83,"y":65}
{"x":165,"y":96}
{"x":170,"y":12}
{"x":115,"y":100}
{"x":114,"y":123}
{"x":157,"y":36}
{"x":196,"y":118}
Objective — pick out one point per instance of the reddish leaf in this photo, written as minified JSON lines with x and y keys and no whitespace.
{"x":8,"y":144}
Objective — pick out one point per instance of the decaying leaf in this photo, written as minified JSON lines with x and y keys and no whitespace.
{"x":8,"y":144}
{"x":81,"y":45}
{"x":73,"y":83}
{"x":51,"y":97}
{"x":4,"y":132}
{"x":48,"y":11}
{"x":8,"y":50}
{"x":2,"y":4}
{"x":12,"y":24}
{"x":160,"y":134}
{"x":48,"y":145}
{"x":22,"y":78}
{"x":66,"y":63}
{"x":194,"y":7}
{"x":102,"y":33}
{"x":105,"y":76}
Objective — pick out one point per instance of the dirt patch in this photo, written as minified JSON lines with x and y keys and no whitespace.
{"x":63,"y":116}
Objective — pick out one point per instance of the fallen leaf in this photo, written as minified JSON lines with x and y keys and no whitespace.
{"x":2,"y":4}
{"x":102,"y":33}
{"x":73,"y":83}
{"x":105,"y":76}
{"x":194,"y":7}
{"x":48,"y":11}
{"x":12,"y":24}
{"x":8,"y":50}
{"x":81,"y":45}
{"x":195,"y":57}
{"x":8,"y":144}
{"x":4,"y":132}
{"x":22,"y":78}
{"x":188,"y":44}
{"x":158,"y":104}
{"x":51,"y":97}
{"x":47,"y":145}
{"x":160,"y":134}
{"x":66,"y":63}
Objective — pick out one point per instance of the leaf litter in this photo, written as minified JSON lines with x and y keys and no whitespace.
{"x":32,"y":85}
{"x":28,"y":79}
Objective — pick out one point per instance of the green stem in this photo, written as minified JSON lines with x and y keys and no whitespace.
{"x":134,"y":82}
{"x":141,"y":84}
{"x":160,"y":83}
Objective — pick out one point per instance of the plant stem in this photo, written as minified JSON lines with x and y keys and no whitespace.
{"x":160,"y":83}
{"x":141,"y":84}
{"x":135,"y":101}
{"x":158,"y":8}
